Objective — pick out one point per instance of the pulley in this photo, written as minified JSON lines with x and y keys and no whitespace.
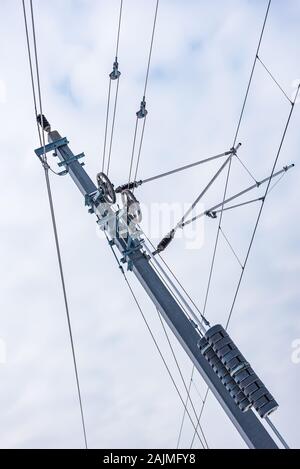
{"x":106,"y":187}
{"x":132,"y":206}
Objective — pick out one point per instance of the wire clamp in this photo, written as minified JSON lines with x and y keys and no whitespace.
{"x":211,"y":214}
{"x":143,"y":111}
{"x":194,"y":324}
{"x":234,"y":150}
{"x":286,"y":168}
{"x":114,"y":75}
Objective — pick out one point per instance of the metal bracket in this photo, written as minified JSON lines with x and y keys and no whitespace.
{"x":71,"y":160}
{"x":88,"y":199}
{"x":234,"y":150}
{"x":129,"y":250}
{"x":51,"y":146}
{"x":63,"y":173}
{"x":93,"y":199}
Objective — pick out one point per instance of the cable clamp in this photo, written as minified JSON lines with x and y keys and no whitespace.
{"x":211,"y":214}
{"x":234,"y":150}
{"x":206,"y":322}
{"x":194,"y":324}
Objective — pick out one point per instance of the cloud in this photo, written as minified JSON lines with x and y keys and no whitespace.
{"x":2,"y":92}
{"x":201,"y":62}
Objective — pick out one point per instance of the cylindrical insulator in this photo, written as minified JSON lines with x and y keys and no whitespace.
{"x":130,"y":186}
{"x":43,"y":122}
{"x":165,"y":242}
{"x":240,"y":371}
{"x":232,"y":387}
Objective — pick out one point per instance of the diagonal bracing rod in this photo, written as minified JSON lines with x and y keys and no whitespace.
{"x":179,"y":224}
{"x":173,"y":171}
{"x":258,"y":199}
{"x":239,"y":194}
{"x":188,"y":166}
{"x":170,"y":236}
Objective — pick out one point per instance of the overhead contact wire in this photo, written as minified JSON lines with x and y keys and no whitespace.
{"x":229,"y":167}
{"x":144,"y":95}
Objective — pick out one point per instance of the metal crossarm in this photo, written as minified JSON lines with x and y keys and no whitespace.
{"x":239,"y":194}
{"x":51,"y":146}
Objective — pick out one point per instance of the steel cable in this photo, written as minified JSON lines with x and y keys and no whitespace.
{"x":50,"y":198}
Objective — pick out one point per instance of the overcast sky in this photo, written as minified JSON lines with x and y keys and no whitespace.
{"x":202,"y":57}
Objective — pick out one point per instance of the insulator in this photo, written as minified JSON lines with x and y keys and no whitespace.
{"x":114,"y":75}
{"x":130,"y":186}
{"x":241,"y":371}
{"x":164,"y":242}
{"x":231,"y":386}
{"x":42,"y":121}
{"x":142,"y":111}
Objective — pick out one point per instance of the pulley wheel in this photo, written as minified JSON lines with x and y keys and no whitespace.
{"x":106,"y":186}
{"x":133,"y":206}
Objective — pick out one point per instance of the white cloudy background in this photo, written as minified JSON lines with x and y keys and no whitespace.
{"x":202,"y":58}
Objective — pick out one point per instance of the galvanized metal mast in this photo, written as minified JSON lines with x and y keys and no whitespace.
{"x":198,"y":343}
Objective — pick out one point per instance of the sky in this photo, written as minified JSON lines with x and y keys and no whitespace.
{"x":202,"y":57}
